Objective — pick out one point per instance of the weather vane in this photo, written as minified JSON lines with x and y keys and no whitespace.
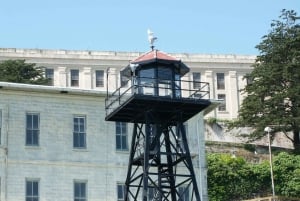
{"x":151,"y":38}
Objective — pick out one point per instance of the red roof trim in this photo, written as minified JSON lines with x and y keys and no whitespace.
{"x":154,"y":54}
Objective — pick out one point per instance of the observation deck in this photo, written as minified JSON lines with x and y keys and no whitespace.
{"x":170,"y":104}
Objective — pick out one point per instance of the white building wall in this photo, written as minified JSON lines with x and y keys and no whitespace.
{"x":55,"y":163}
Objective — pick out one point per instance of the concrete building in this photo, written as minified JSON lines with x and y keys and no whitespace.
{"x":55,"y":144}
{"x":101,"y":70}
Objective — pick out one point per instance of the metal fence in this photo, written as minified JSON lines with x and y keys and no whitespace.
{"x":168,"y":89}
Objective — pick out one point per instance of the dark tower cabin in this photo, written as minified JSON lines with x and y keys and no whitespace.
{"x":158,"y":102}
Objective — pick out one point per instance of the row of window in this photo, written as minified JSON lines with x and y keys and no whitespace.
{"x":33,"y":190}
{"x":220,"y":80}
{"x":99,"y":78}
{"x":74,"y":77}
{"x":79,"y":132}
{"x":99,"y":81}
{"x":80,"y":191}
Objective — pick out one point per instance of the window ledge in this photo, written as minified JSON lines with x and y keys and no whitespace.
{"x":32,"y":147}
{"x":80,"y":149}
{"x":122,"y":151}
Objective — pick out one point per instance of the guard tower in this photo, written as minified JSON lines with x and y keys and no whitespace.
{"x":157,"y":102}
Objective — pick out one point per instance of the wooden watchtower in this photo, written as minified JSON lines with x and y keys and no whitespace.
{"x":158,"y":102}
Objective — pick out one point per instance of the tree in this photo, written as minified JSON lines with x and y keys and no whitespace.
{"x":273,"y":95}
{"x":233,"y":178}
{"x":287,"y":174}
{"x":20,"y":72}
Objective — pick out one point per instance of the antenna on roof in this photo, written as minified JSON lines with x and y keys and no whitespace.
{"x":151,"y":38}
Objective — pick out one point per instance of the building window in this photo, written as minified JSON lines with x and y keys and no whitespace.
{"x":196,"y":80}
{"x":121,"y":136}
{"x":183,"y":193}
{"x":49,"y":73}
{"x":99,"y":78}
{"x":220,"y":81}
{"x":121,"y":192}
{"x":79,"y":132}
{"x":32,"y":129}
{"x":74,"y":78}
{"x":32,"y":190}
{"x":80,"y":191}
{"x":222,"y":107}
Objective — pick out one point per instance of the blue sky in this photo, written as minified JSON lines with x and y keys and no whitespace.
{"x":190,"y":26}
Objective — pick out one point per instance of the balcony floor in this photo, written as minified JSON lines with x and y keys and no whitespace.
{"x":165,"y":109}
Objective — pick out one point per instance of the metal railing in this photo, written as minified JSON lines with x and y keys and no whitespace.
{"x":162,"y":88}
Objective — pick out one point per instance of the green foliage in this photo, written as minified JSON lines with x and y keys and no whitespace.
{"x":287,"y":174}
{"x":20,"y":72}
{"x":273,"y":96}
{"x":231,"y":179}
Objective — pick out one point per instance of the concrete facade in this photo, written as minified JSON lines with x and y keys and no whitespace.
{"x":233,"y":67}
{"x":54,"y":162}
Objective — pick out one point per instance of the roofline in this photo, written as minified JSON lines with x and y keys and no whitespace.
{"x":126,"y":55}
{"x":50,"y":89}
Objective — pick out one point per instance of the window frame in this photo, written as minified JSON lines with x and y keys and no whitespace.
{"x":196,"y":80}
{"x":222,"y":107}
{"x":30,"y":130}
{"x":78,"y":134}
{"x":51,"y":77}
{"x":80,"y":197}
{"x":220,"y":81}
{"x":99,"y":80}
{"x":32,"y":197}
{"x":123,"y":135}
{"x":121,"y":186}
{"x":74,"y":78}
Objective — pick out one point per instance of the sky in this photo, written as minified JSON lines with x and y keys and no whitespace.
{"x":190,"y":26}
